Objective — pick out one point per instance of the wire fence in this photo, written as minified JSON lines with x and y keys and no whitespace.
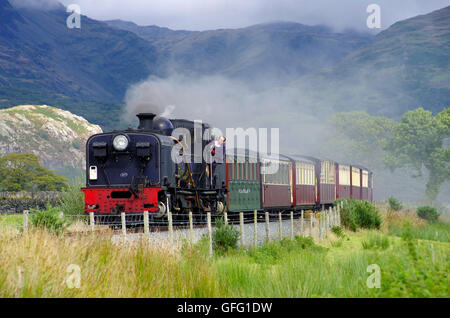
{"x":255,"y":227}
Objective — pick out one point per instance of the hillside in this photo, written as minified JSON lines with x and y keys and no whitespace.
{"x":44,"y":62}
{"x":270,"y":52}
{"x":404,"y":67}
{"x":309,"y":69}
{"x":56,"y":136}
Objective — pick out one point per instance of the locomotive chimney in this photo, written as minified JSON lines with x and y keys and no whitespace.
{"x":145,"y":121}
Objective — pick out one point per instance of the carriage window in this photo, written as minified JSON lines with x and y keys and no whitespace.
{"x":344,"y":175}
{"x":365,"y":179}
{"x":356,"y":177}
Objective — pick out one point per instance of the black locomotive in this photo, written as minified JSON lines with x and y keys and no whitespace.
{"x":148,"y":169}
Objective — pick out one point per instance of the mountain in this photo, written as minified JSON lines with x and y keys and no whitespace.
{"x":88,"y":71}
{"x":56,"y":136}
{"x":404,"y":67}
{"x":85,"y":70}
{"x":279,"y":51}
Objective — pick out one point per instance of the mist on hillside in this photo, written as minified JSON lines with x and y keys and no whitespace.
{"x":232,"y":103}
{"x":300,"y":108}
{"x":36,"y":4}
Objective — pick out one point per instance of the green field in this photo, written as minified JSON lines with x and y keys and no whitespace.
{"x":411,"y":262}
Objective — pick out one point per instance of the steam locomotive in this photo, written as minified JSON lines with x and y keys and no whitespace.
{"x":154,"y":168}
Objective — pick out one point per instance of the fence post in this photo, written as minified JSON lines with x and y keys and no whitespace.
{"x":321,"y":225}
{"x":301,"y":223}
{"x":124,"y":225}
{"x":292,"y":224}
{"x":267,"y":227}
{"x":92,"y":221}
{"x":255,"y":234}
{"x":241,"y":222}
{"x":225,"y":217}
{"x":146,"y":226}
{"x":280,"y":226}
{"x":339,"y":216}
{"x":191,"y":228}
{"x":208,"y":216}
{"x":335,"y":216}
{"x":169,"y":216}
{"x":332,"y":217}
{"x":25,"y":220}
{"x":330,"y":224}
{"x":311,"y":224}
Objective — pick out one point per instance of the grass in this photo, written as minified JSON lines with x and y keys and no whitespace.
{"x":12,"y":220}
{"x":375,"y":241}
{"x":412,"y":264}
{"x":431,"y":231}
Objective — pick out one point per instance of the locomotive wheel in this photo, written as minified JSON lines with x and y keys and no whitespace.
{"x":161,"y":211}
{"x":220,"y":208}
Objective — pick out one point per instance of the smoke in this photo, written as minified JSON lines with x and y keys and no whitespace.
{"x":229,"y":103}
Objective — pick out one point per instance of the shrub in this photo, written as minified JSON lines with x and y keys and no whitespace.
{"x":225,"y":237}
{"x":72,"y":199}
{"x":428,"y":213}
{"x":359,"y":214}
{"x":49,"y":219}
{"x":395,"y":204}
{"x":339,"y":231}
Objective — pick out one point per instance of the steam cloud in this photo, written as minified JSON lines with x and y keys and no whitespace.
{"x":226,"y":103}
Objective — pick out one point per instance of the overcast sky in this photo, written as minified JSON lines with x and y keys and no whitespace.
{"x":214,"y":14}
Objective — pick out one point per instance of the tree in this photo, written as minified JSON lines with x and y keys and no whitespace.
{"x":418,"y":143}
{"x":357,"y":137}
{"x":23,"y":172}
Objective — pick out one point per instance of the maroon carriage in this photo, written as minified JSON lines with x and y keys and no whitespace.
{"x":304,"y":181}
{"x":276,"y":176}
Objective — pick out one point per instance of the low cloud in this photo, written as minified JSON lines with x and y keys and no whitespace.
{"x":36,"y":4}
{"x":206,"y":14}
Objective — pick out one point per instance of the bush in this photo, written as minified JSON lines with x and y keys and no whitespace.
{"x":339,"y":231}
{"x":225,"y":237}
{"x":72,"y":199}
{"x":49,"y":219}
{"x":428,"y":213}
{"x":395,"y":204}
{"x":359,"y":214}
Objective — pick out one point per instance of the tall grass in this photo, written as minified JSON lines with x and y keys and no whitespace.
{"x":107,"y":269}
{"x":432,"y":231}
{"x":72,"y":199}
{"x":375,"y":241}
{"x":35,"y":265}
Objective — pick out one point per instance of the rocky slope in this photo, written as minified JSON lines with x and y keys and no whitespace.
{"x":56,"y":136}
